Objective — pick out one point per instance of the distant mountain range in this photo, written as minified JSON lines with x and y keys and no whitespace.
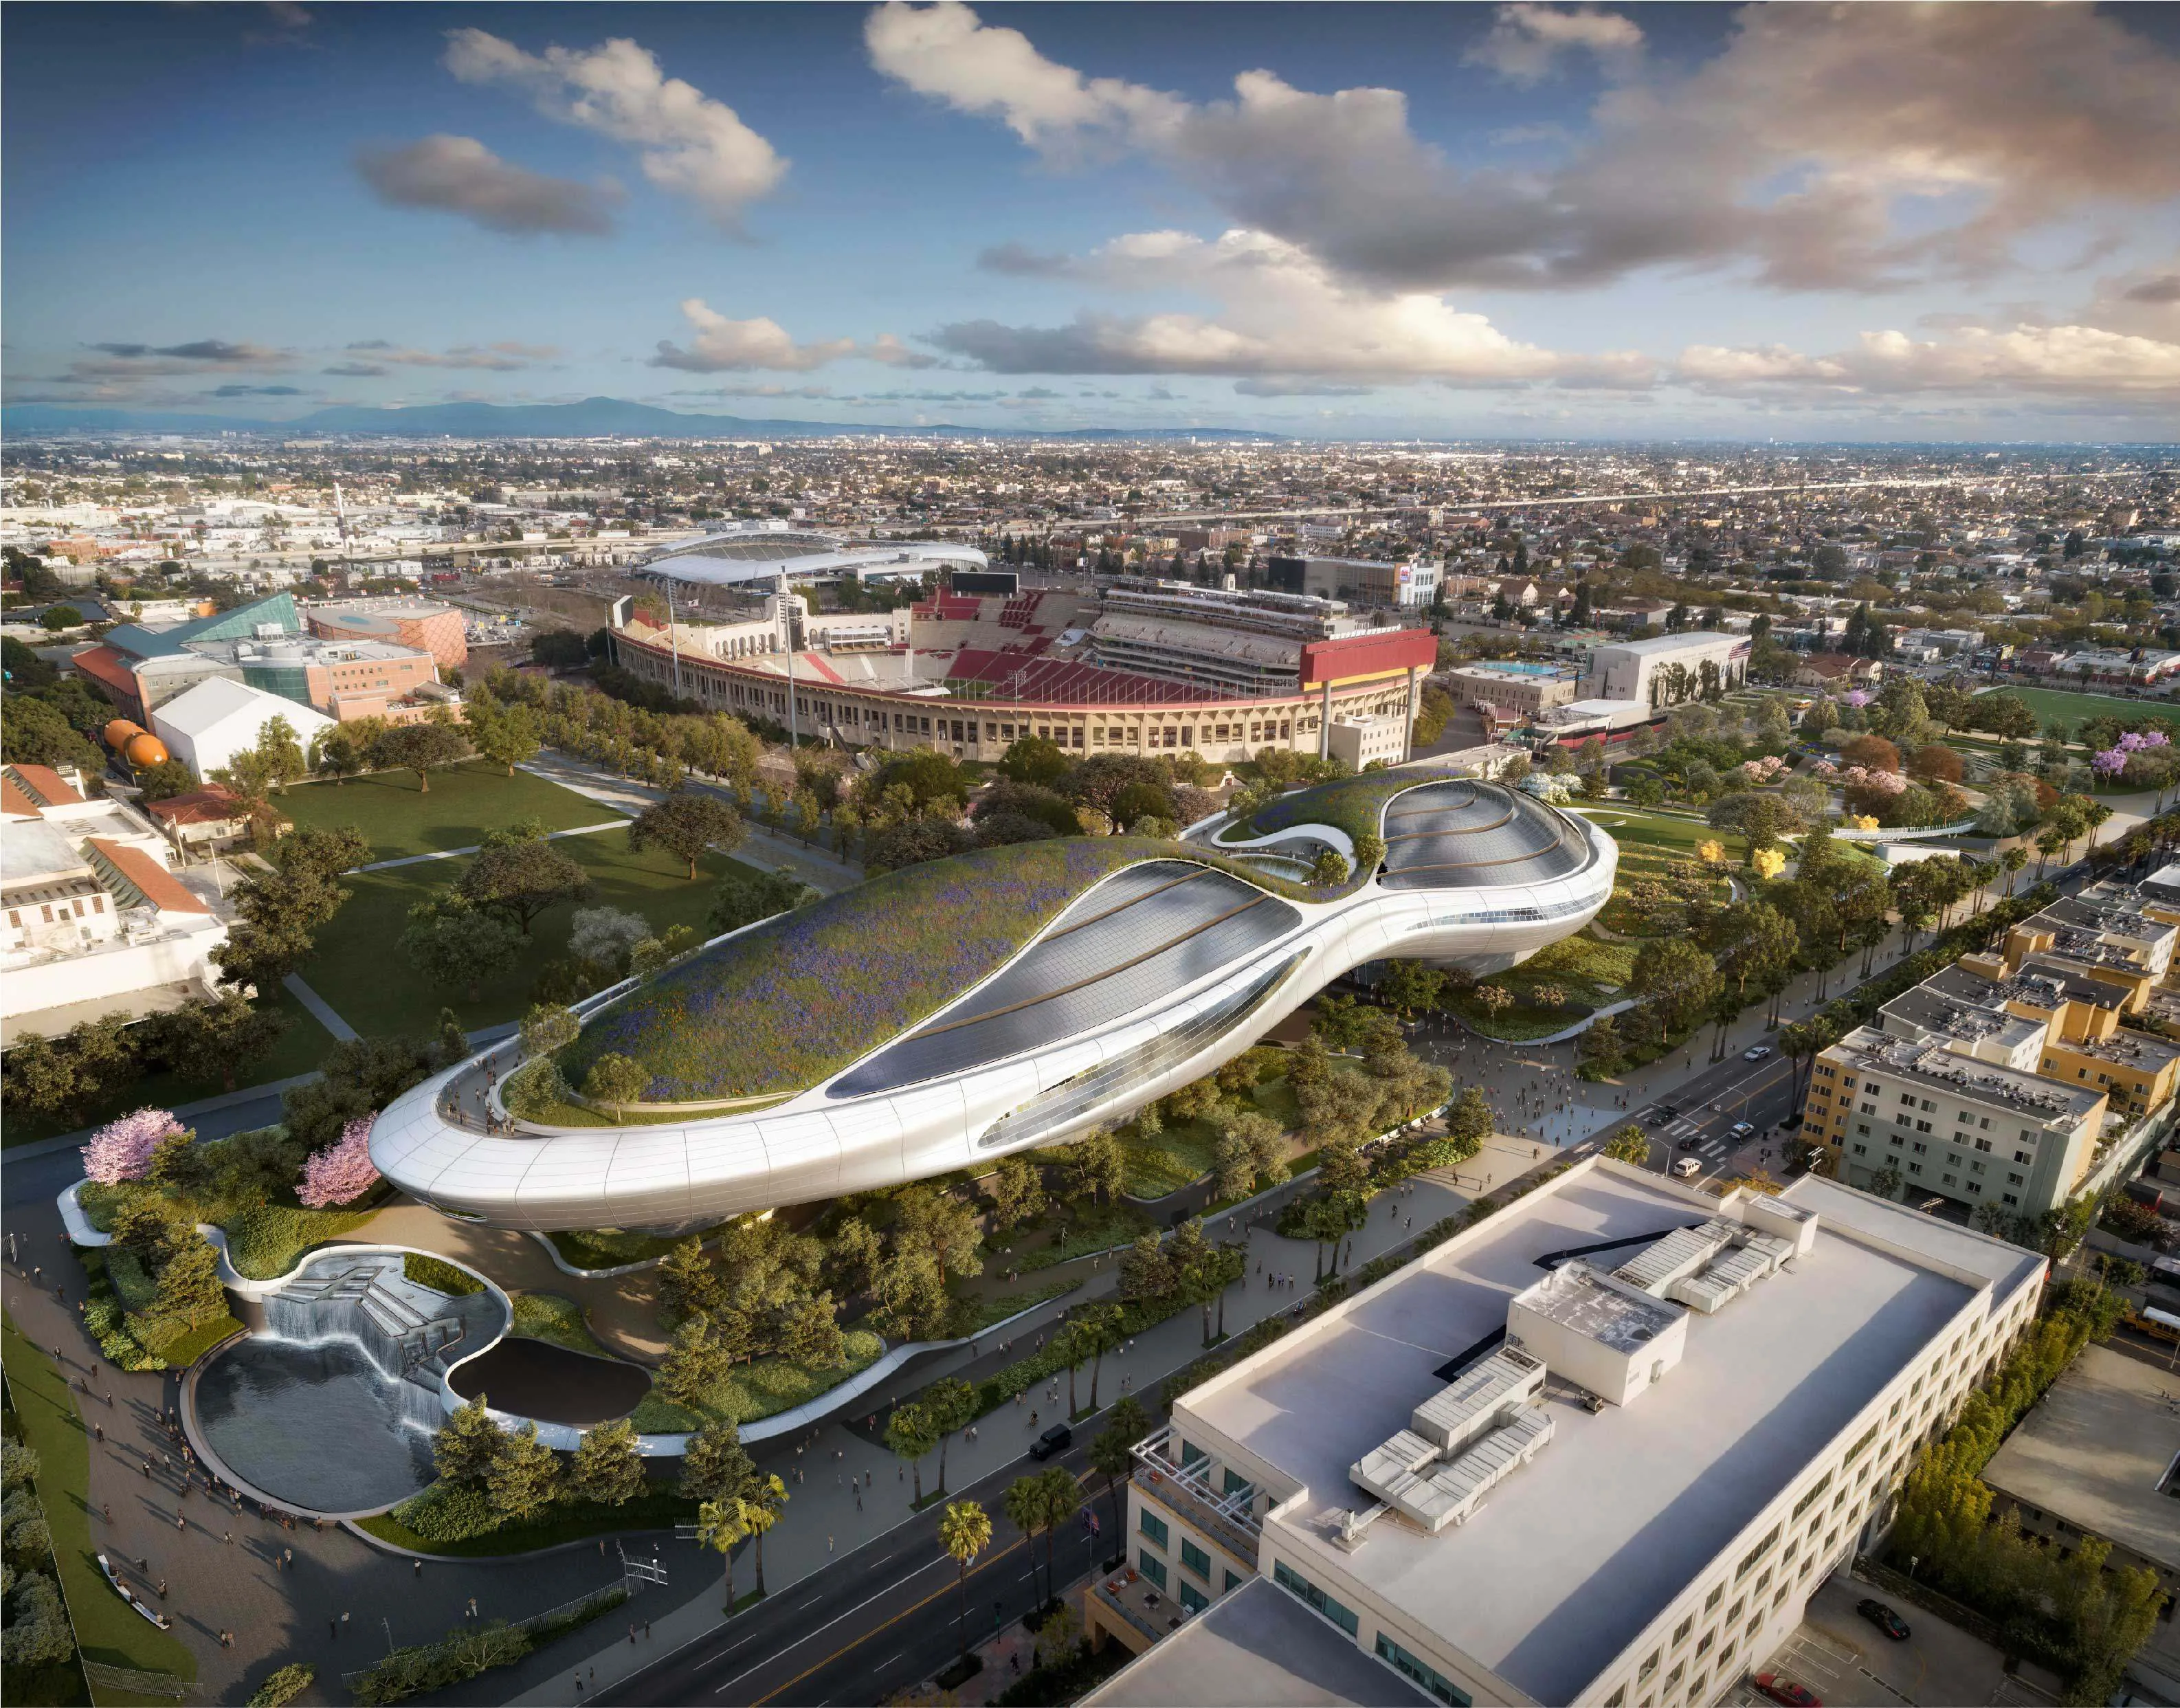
{"x":594,"y":417}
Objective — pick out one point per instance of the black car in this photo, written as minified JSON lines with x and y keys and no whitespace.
{"x":1056,"y":1440}
{"x":1890,"y":1623}
{"x":1664,"y":1113}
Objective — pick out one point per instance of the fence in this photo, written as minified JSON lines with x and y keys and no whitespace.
{"x":129,"y":1680}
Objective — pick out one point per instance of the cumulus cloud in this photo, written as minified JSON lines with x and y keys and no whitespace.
{"x":2082,"y":361}
{"x":1527,"y":42}
{"x":719,"y":345}
{"x":1283,"y":316}
{"x":690,"y":144}
{"x":459,"y":174}
{"x":1822,"y":147}
{"x":506,"y":356}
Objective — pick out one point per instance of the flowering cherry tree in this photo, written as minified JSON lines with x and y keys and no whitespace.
{"x":1762,"y":770}
{"x":122,"y":1150}
{"x":342,"y":1172}
{"x":2110,"y":762}
{"x":1858,"y":697}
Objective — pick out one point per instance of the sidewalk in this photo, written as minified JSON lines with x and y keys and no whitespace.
{"x":823,"y":1521}
{"x":823,"y":871}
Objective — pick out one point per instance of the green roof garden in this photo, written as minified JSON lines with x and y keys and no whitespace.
{"x":787,"y":1004}
{"x":1354,"y":805}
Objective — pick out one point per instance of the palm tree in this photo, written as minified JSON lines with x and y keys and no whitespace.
{"x":910,"y":1433}
{"x":964,"y":1531}
{"x":1062,"y":1500}
{"x":721,"y":1525}
{"x":951,"y":1404}
{"x":1024,"y":1505}
{"x":1102,"y":1324}
{"x":760,"y":1512}
{"x":1113,"y":1453}
{"x":1071,"y":1344}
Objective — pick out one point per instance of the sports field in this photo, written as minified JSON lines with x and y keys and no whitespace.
{"x":2056,"y":706}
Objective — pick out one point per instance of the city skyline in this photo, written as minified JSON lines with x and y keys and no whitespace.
{"x":1527,"y":221}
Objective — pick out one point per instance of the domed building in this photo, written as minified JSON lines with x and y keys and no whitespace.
{"x":948,"y":1013}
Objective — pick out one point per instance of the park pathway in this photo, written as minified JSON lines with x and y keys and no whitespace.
{"x":761,"y":845}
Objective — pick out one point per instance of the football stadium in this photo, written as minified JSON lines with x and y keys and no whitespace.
{"x":943,"y":1015}
{"x":1137,"y":667}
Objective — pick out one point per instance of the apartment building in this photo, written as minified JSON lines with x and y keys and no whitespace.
{"x":1600,"y":1449}
{"x":2011,"y":1078}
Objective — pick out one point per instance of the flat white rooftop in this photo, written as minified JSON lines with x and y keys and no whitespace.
{"x":1573,"y":1554}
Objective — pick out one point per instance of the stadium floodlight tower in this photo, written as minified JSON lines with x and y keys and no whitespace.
{"x":948,"y":1013}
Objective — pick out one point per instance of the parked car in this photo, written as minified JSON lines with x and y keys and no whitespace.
{"x":1741,"y":1129}
{"x":1756,"y":1052}
{"x":1782,"y":1688}
{"x":1056,"y":1440}
{"x":1686,"y":1166}
{"x":1890,"y":1623}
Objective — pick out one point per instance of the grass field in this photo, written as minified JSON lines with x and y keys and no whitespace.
{"x":465,"y":803}
{"x":658,"y":1509}
{"x":301,"y":1047}
{"x":2057,"y":705}
{"x":359,"y":967}
{"x":107,"y":1631}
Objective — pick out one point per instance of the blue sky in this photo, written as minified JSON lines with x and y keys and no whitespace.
{"x":1886,"y":222}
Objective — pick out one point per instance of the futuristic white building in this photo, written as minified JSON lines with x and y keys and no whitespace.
{"x":1154,"y":964}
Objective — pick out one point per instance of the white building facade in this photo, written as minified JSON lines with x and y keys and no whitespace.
{"x":1695,"y":1410}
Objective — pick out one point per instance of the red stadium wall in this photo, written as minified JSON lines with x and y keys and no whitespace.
{"x":1367,"y":655}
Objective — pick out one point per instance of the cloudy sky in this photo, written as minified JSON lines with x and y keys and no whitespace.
{"x":1805,"y":221}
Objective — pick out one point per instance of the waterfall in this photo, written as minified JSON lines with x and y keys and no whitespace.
{"x":409,"y":1332}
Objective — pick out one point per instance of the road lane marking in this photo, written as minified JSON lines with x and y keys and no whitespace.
{"x":828,"y":1625}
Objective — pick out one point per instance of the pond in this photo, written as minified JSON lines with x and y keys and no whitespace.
{"x":319,"y":1427}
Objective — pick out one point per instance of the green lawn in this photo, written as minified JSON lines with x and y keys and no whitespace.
{"x":465,"y":803}
{"x":2057,"y":705}
{"x":301,"y":1047}
{"x":758,"y":1389}
{"x":106,"y":1630}
{"x":1637,"y":827}
{"x":1051,"y":1239}
{"x":359,"y":967}
{"x":558,"y":1319}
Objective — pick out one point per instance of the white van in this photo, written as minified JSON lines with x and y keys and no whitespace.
{"x":1686,"y":1166}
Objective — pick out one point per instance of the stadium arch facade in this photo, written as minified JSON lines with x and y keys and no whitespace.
{"x":782,"y":1070}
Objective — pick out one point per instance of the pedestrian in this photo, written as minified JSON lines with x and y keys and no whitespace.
{"x":632,"y":1635}
{"x":108,"y":1510}
{"x":333,"y":1628}
{"x":180,"y":1523}
{"x":419,"y":1565}
{"x":647,"y":1630}
{"x":829,"y":1545}
{"x":98,"y":1431}
{"x":148,"y":1468}
{"x":163,"y":1588}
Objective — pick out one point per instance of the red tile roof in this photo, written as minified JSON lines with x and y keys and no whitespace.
{"x":14,"y":801}
{"x":210,"y":805}
{"x":159,"y":886}
{"x":44,"y":785}
{"x":104,"y":665}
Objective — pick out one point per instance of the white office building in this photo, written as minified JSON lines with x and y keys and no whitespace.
{"x":1600,"y":1449}
{"x":1667,"y":668}
{"x":206,"y":726}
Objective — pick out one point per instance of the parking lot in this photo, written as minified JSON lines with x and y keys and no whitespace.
{"x":1847,"y":1662}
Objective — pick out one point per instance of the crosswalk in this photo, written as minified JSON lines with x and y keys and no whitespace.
{"x":1713,"y":1148}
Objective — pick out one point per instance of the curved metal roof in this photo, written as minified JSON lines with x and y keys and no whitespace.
{"x":1127,"y":943}
{"x":1463,"y":836}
